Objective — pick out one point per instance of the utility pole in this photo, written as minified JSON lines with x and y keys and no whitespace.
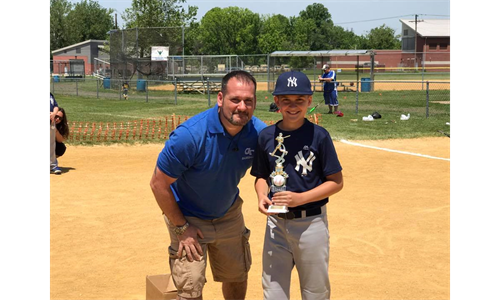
{"x":416,"y":40}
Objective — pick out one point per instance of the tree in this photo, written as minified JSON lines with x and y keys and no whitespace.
{"x":231,"y":30}
{"x":71,"y":24}
{"x":275,"y":33}
{"x":59,"y":10}
{"x":88,"y":20}
{"x":321,"y":37}
{"x":383,"y":38}
{"x":158,"y":13}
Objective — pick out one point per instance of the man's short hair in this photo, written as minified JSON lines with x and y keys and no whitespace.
{"x":240,"y":75}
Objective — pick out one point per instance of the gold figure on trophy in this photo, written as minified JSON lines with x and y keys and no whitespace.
{"x":278,"y":176}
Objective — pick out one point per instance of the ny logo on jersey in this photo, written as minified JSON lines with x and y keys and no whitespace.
{"x":292,"y":81}
{"x":305,"y":163}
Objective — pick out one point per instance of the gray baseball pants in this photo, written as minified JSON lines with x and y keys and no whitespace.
{"x":301,"y":242}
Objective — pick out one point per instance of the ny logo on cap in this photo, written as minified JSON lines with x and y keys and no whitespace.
{"x":292,"y":81}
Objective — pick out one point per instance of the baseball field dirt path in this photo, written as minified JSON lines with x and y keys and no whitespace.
{"x":389,"y":226}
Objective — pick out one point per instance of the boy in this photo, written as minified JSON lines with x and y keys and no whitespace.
{"x":330,"y":94}
{"x":313,"y":173}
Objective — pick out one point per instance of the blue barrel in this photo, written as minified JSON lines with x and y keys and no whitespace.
{"x":365,"y":84}
{"x":141,"y":84}
{"x":56,"y":78}
{"x":107,"y":83}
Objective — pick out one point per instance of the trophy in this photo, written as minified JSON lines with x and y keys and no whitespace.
{"x":278,"y":176}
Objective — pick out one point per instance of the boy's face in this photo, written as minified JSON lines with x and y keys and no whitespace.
{"x":293,"y":107}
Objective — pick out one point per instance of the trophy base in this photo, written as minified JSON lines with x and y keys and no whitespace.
{"x":277,"y":209}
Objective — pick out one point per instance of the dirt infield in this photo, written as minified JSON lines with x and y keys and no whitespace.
{"x":389,"y":226}
{"x":379,"y":86}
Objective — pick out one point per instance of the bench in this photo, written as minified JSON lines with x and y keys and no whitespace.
{"x":198,"y":84}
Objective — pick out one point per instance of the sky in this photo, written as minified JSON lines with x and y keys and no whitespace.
{"x":359,"y":15}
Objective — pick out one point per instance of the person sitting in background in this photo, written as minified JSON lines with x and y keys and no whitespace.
{"x":62,"y":131}
{"x":54,"y":109}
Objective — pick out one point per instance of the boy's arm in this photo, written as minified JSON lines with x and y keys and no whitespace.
{"x":333,"y":184}
{"x":261,"y":188}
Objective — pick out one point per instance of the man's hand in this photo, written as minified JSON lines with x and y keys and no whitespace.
{"x":188,"y":241}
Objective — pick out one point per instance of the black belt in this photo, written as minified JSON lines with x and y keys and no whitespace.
{"x":297,"y":214}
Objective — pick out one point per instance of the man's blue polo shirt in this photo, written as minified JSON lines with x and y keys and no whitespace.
{"x":208,"y":163}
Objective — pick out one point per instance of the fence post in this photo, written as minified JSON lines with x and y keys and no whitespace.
{"x":357,"y":95}
{"x":52,"y":84}
{"x":77,"y":87}
{"x":208,"y":91}
{"x":175,"y":90}
{"x":427,"y":105}
{"x":120,"y":91}
{"x":147,"y":85}
{"x":97,"y":83}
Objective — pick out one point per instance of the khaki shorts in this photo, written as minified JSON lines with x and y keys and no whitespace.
{"x":225,"y":240}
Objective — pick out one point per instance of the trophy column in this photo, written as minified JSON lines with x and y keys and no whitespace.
{"x":278,"y":176}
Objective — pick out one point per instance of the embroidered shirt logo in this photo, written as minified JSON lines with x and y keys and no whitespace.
{"x":292,"y":81}
{"x":305,"y":163}
{"x":249,"y":154}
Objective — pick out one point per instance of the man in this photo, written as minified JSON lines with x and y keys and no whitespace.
{"x":329,"y":79}
{"x":195,"y":184}
{"x":54,"y":109}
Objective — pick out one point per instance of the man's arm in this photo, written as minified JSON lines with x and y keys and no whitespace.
{"x":188,"y":241}
{"x":160,"y":185}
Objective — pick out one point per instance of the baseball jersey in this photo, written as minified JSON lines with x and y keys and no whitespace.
{"x":208,"y":163}
{"x":332,"y":85}
{"x":53,"y":103}
{"x":311,"y":157}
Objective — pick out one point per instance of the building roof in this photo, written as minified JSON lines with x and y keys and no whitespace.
{"x":429,"y":27}
{"x":323,"y":53}
{"x":78,"y":45}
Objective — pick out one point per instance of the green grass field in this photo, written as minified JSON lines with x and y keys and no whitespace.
{"x":108,"y":108}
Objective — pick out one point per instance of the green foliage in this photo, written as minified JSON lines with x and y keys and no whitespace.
{"x":383,"y":38}
{"x":231,"y":30}
{"x":71,"y":24}
{"x":158,"y":13}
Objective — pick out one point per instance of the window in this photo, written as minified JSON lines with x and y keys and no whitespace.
{"x":443,"y":46}
{"x":405,"y":32}
{"x":78,"y":50}
{"x":433,"y":46}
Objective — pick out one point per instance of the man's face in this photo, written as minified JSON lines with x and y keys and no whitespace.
{"x":326,"y":70}
{"x":237,"y":104}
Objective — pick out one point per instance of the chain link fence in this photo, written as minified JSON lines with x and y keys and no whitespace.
{"x":426,"y":98}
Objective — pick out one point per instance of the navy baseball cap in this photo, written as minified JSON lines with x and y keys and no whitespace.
{"x":293,"y":83}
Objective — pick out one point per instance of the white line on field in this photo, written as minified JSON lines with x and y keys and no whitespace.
{"x":395,"y":151}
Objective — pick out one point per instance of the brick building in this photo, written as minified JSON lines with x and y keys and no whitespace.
{"x":77,"y":60}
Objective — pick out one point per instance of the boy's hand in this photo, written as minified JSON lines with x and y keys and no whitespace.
{"x":264,"y":203}
{"x":287,"y":198}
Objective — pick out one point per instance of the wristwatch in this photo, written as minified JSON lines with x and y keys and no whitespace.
{"x":180,"y":229}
